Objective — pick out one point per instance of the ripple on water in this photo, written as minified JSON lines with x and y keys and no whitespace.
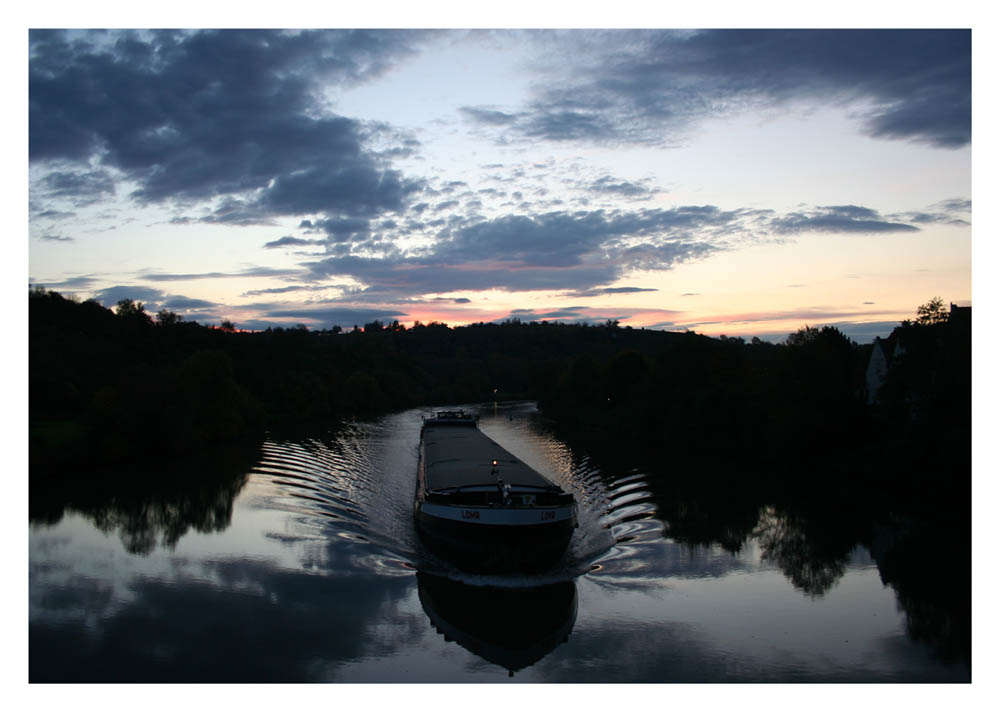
{"x":357,"y":484}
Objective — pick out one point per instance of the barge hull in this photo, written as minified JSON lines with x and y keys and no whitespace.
{"x":496,"y":547}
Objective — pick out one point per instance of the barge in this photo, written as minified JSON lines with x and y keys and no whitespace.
{"x":480,"y":505}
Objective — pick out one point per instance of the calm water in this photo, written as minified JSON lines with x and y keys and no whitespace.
{"x":304,"y":566}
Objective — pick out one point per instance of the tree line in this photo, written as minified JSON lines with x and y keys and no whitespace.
{"x":108,"y":385}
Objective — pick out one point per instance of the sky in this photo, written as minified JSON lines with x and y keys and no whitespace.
{"x":738,"y":182}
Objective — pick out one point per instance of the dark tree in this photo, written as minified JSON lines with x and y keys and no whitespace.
{"x":933,"y":312}
{"x":129,"y":309}
{"x":168,"y":318}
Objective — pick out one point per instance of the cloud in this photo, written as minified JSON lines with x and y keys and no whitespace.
{"x":813,"y":316}
{"x":238,"y":115}
{"x":342,"y":316}
{"x":487,"y":116}
{"x":838,"y":219}
{"x":580,"y":252}
{"x":188,"y":303}
{"x":155,"y":299}
{"x":289,"y":241}
{"x":51,"y":237}
{"x":237,"y":128}
{"x":71,"y":283}
{"x":286,"y":290}
{"x":653,"y":87}
{"x":110,"y":296}
{"x":48,"y":214}
{"x":83,"y":187}
{"x":608,"y":185}
{"x":564,"y":239}
{"x":322,"y":636}
{"x":251,"y":272}
{"x":558,"y":250}
{"x":947,"y":212}
{"x":958,"y":205}
{"x":612,"y":290}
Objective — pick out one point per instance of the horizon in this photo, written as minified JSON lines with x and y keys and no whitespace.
{"x":745,"y":183}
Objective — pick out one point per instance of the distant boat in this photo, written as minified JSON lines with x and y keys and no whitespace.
{"x":482,"y":507}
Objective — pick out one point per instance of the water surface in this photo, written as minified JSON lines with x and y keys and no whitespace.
{"x":304,"y":566}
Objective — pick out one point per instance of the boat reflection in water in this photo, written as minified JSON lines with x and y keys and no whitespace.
{"x":510,"y":627}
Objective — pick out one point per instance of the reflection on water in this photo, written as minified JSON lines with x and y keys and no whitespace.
{"x":299,"y":562}
{"x":813,"y":564}
{"x":511,"y":627}
{"x":154,"y":505}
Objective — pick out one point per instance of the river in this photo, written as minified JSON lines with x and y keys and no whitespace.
{"x":302,"y":564}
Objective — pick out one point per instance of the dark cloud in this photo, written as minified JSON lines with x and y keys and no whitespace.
{"x":285,"y":290}
{"x":652,"y":86}
{"x":557,"y":250}
{"x":947,"y":212}
{"x":579,"y":252}
{"x":613,"y":290}
{"x":253,"y":272}
{"x":609,"y":185}
{"x":555,"y":124}
{"x":234,"y":114}
{"x":812,"y":316}
{"x":446,"y":205}
{"x":234,"y":211}
{"x":289,"y":241}
{"x":50,"y":214}
{"x":488,"y":116}
{"x":186,"y":303}
{"x":956,"y":205}
{"x":838,"y":219}
{"x":71,"y":283}
{"x":407,"y":276}
{"x":329,"y":315}
{"x":453,"y":185}
{"x":83,"y":187}
{"x":110,"y":296}
{"x":154,"y":300}
{"x":563,"y":239}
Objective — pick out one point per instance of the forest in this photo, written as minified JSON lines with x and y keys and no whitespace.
{"x":110,"y":386}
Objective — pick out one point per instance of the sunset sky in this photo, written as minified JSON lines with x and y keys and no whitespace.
{"x":726,"y":182}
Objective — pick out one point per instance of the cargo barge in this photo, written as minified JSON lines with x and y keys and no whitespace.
{"x":479,"y":504}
